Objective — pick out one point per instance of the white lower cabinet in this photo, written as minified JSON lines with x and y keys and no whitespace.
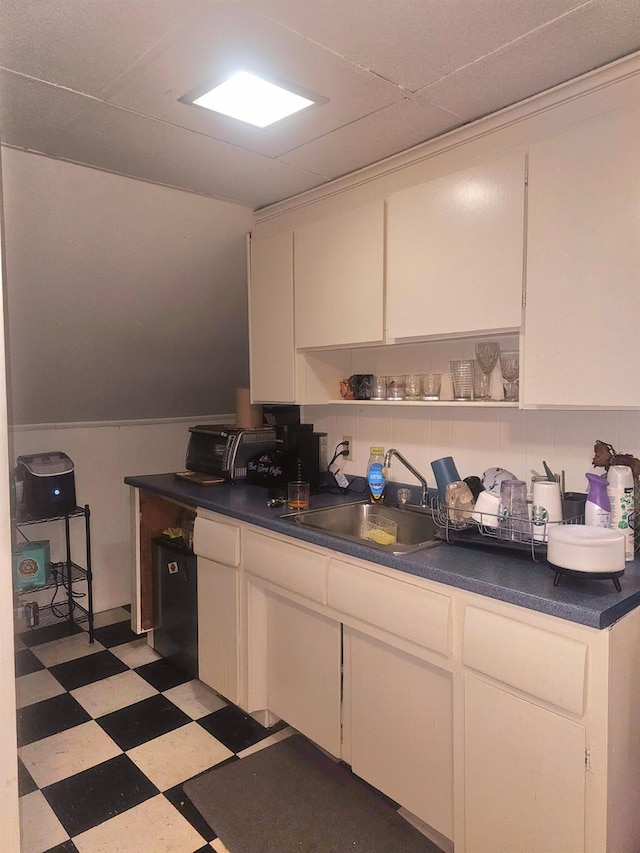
{"x":401,"y":728}
{"x":294,"y":650}
{"x":216,"y":541}
{"x":218,"y":628}
{"x":502,"y":729}
{"x":303,"y":671}
{"x":524,"y":775}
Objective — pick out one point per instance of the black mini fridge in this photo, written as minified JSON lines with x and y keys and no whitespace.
{"x":176,"y":583}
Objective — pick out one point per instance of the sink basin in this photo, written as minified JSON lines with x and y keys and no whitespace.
{"x":416,"y":528}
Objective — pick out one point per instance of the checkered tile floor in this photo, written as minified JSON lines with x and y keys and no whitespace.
{"x":107,"y":735}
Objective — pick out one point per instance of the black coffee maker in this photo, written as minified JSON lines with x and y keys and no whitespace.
{"x":301,"y":454}
{"x":305,"y":453}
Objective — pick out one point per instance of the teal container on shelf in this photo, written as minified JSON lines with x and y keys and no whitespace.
{"x":31,"y":564}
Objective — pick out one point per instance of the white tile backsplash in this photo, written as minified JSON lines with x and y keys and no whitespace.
{"x":479,"y":438}
{"x":512,"y":438}
{"x":410,"y":435}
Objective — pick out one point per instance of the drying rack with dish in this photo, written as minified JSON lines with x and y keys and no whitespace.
{"x":498,"y":530}
{"x":574,"y":544}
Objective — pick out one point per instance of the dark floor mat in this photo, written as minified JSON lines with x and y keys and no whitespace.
{"x":291,"y":797}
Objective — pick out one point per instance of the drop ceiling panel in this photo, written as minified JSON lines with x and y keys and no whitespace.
{"x":83,"y":44}
{"x":591,"y":36}
{"x":229,"y":38}
{"x":34,"y":114}
{"x":123,"y":142}
{"x":395,"y":128}
{"x":413,"y":42}
{"x":396,"y":72}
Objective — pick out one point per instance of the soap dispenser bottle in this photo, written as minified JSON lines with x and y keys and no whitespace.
{"x":376,"y":474}
{"x":597,"y":509}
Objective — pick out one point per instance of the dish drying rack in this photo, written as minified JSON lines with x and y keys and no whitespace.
{"x":504,"y":531}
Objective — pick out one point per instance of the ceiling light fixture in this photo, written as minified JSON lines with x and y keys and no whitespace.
{"x":252,"y":99}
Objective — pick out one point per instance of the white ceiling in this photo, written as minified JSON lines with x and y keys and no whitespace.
{"x":97,"y":82}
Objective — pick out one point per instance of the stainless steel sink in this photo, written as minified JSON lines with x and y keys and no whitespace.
{"x":416,"y":528}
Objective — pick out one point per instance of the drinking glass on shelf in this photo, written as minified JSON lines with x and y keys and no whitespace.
{"x":431,"y":383}
{"x":510,"y":367}
{"x":462,"y":379}
{"x":395,"y":387}
{"x":480,"y":382}
{"x":487,"y":353}
{"x":413,"y":386}
{"x":379,"y":388}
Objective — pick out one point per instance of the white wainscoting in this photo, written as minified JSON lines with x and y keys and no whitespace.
{"x":103,"y":455}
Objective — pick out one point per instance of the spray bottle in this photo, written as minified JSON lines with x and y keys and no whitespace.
{"x":620,"y":491}
{"x":376,"y":474}
{"x":597,"y":509}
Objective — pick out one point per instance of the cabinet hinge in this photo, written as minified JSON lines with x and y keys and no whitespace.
{"x":587,"y":759}
{"x":524,"y":299}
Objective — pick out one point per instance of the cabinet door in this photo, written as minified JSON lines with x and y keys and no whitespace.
{"x":271,"y":347}
{"x":402,"y":729}
{"x":303,"y":671}
{"x":218,"y":627}
{"x":455,"y":253}
{"x":583,"y":255}
{"x":339,"y":270}
{"x":524,"y":771}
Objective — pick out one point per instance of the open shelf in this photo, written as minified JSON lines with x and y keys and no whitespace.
{"x":78,"y":574}
{"x":458,"y":404}
{"x":65,"y":575}
{"x":59,"y":612}
{"x":21,"y":521}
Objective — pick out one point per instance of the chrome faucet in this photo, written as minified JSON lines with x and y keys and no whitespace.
{"x":387,"y":463}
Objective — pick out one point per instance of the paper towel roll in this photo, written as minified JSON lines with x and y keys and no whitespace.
{"x":248,"y":416}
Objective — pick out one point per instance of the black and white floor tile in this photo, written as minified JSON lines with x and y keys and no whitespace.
{"x":107,"y":734}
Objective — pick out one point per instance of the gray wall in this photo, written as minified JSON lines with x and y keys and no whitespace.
{"x":125,"y":300}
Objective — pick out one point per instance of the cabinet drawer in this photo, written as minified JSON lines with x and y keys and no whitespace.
{"x":401,"y":608}
{"x":217,"y":541}
{"x":291,"y":567}
{"x":545,"y":665}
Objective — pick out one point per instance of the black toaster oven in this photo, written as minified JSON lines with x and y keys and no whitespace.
{"x":224,"y":451}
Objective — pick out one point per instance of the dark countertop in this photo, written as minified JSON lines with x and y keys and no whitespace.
{"x":513,"y":579}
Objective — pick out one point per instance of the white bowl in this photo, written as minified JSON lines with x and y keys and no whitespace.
{"x":486,"y":509}
{"x":585,"y":549}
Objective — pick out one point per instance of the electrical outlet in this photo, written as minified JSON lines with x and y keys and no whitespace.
{"x":348,"y":446}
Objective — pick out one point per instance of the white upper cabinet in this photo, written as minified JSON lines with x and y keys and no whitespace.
{"x":272,"y":354}
{"x":339,"y":274}
{"x":583,"y":267}
{"x":455,"y":253}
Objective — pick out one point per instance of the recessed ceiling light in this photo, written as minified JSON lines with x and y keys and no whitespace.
{"x":252,"y":99}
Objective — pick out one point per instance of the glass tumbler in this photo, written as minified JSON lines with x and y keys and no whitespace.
{"x":513,"y":514}
{"x":396,"y":387}
{"x":379,"y":388}
{"x":413,"y":386}
{"x":431,"y":383}
{"x":480,"y":383}
{"x":462,"y":379}
{"x":298,"y":495}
